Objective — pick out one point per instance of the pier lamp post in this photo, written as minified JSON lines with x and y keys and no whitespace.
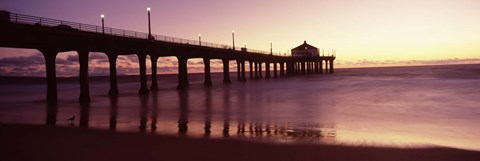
{"x":103,"y":23}
{"x":233,"y":38}
{"x":200,"y":39}
{"x":149,"y":28}
{"x":271,"y":48}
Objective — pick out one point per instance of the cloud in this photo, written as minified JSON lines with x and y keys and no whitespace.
{"x":131,"y":58}
{"x":97,"y":56}
{"x":36,"y":59}
{"x":99,"y":71}
{"x":195,"y":63}
{"x":167,"y":61}
{"x":368,"y":63}
{"x":127,"y":71}
{"x":72,"y":58}
{"x":65,"y":61}
{"x":32,"y":65}
{"x":167,"y":69}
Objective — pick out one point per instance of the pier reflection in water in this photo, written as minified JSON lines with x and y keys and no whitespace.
{"x":113,"y":112}
{"x":359,"y":109}
{"x":183,"y":112}
{"x":154,"y":115}
{"x":52,"y":110}
{"x":208,"y":112}
{"x":143,"y":112}
{"x":84,"y":114}
{"x":214,"y":111}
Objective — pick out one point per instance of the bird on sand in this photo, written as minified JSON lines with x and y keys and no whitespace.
{"x":71,"y":118}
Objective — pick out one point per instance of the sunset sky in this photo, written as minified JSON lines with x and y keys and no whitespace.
{"x":363,"y":32}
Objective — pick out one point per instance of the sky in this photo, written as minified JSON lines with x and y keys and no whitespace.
{"x":363,"y":32}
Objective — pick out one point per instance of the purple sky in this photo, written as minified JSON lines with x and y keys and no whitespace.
{"x":363,"y":32}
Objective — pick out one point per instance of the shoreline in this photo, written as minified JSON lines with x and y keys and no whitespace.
{"x":39,"y":142}
{"x":232,"y":72}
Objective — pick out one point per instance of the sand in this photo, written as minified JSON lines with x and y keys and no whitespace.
{"x":37,"y":142}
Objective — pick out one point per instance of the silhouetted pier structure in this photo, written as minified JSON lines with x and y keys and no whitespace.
{"x":51,"y":36}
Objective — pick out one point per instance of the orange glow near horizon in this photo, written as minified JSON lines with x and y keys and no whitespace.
{"x":403,"y":138}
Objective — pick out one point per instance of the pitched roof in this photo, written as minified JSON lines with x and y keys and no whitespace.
{"x":304,"y":46}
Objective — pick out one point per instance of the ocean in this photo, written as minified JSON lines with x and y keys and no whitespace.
{"x":385,"y":106}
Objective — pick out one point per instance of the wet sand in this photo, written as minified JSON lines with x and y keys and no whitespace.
{"x":36,"y":142}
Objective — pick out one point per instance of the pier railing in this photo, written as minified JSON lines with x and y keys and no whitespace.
{"x":67,"y":25}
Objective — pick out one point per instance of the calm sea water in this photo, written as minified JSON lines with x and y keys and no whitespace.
{"x":397,"y":106}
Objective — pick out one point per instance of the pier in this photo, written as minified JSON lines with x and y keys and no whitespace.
{"x":50,"y":37}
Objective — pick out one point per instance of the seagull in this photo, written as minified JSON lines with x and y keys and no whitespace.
{"x":72,"y":118}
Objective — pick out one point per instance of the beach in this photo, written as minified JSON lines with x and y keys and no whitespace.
{"x":35,"y":142}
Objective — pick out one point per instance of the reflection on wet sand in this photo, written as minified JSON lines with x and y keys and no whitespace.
{"x":84,"y":114}
{"x":183,"y":110}
{"x":113,"y":112}
{"x":226,"y":112}
{"x":292,"y":131}
{"x":143,"y":112}
{"x":52,"y":110}
{"x":154,"y":115}
{"x":241,"y":111}
{"x":208,"y":112}
{"x":247,"y":126}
